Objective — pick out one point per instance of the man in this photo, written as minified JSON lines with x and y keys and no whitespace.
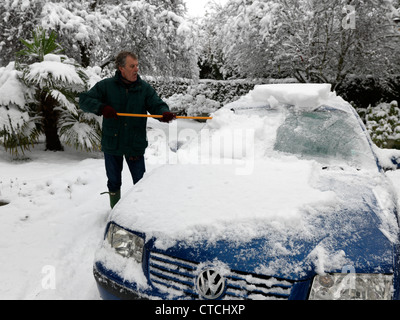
{"x":125,"y":137}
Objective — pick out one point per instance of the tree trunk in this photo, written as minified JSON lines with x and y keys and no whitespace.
{"x":85,"y":54}
{"x":50,"y":122}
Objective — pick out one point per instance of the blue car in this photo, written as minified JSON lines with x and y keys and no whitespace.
{"x":280,"y":196}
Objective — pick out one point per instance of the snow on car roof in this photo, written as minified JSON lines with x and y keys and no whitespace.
{"x":305,"y":96}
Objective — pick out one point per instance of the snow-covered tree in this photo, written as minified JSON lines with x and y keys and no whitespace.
{"x":17,"y":130}
{"x":159,"y":36}
{"x":311,"y":40}
{"x":94,"y":31}
{"x":82,"y":26}
{"x":17,"y":20}
{"x":209,"y":32}
{"x":44,"y":100}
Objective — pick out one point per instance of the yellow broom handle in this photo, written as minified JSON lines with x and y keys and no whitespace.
{"x":158,"y":116}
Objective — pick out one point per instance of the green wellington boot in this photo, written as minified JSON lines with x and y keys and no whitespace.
{"x":114,"y":197}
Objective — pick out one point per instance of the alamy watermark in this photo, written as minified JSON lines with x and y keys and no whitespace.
{"x":349,"y":280}
{"x":229,"y":147}
{"x":49,"y":278}
{"x":349,"y":21}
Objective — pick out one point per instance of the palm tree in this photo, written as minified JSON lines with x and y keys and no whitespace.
{"x":56,"y":81}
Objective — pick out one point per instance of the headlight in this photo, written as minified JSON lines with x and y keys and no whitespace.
{"x":352,"y":286}
{"x":125,"y":243}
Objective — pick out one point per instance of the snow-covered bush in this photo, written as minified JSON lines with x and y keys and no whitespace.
{"x":187,"y":104}
{"x":168,"y":86}
{"x":39,"y":96}
{"x":17,"y":130}
{"x":383,"y":124}
{"x":206,"y":96}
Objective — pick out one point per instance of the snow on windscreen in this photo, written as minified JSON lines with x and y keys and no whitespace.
{"x":328,"y":136}
{"x":307,"y":120}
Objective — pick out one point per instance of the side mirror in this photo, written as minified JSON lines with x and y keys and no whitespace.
{"x":396,"y":162}
{"x":389,"y":159}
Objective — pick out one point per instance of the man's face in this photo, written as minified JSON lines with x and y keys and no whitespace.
{"x":130,"y":70}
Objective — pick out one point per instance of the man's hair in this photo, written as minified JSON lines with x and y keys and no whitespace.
{"x":120,"y":60}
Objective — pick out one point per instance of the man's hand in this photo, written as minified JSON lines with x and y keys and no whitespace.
{"x":109,"y":113}
{"x":168,"y":116}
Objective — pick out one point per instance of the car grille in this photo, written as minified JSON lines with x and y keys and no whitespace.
{"x":178,"y":278}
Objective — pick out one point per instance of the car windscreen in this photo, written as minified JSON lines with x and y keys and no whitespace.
{"x":328,"y":136}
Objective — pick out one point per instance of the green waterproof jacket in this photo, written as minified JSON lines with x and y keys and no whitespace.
{"x":125,"y":135}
